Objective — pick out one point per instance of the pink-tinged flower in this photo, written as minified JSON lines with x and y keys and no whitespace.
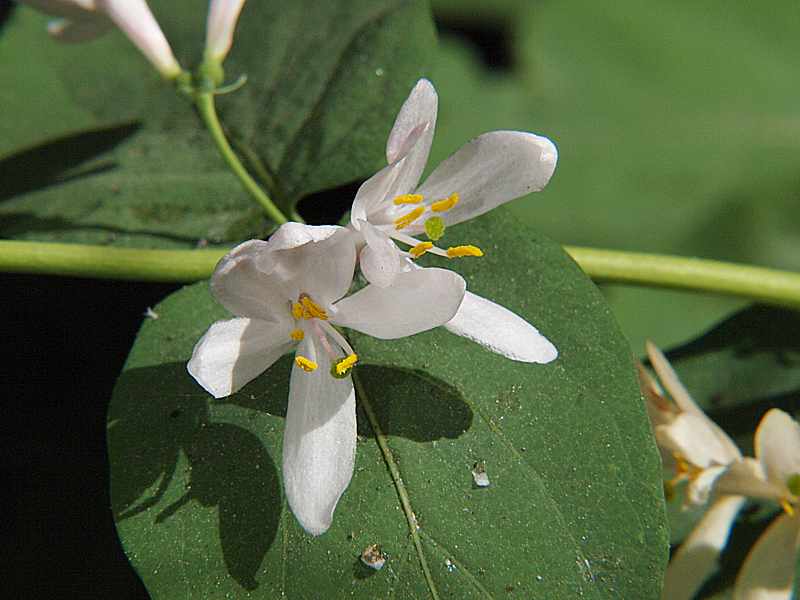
{"x":221,"y":23}
{"x":83,"y":20}
{"x":290,"y":293}
{"x":392,"y":207}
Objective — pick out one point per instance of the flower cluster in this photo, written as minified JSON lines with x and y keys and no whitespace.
{"x":708,"y":460}
{"x":292,"y":292}
{"x":84,"y":20}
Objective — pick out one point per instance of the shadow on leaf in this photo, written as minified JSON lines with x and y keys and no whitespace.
{"x":50,"y":162}
{"x":229,"y":467}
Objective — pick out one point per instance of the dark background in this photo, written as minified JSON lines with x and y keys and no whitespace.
{"x":65,"y":341}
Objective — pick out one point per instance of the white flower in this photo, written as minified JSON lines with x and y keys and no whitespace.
{"x":390,"y":207}
{"x":699,"y":451}
{"x":221,"y":23}
{"x":768,"y":571}
{"x":290,"y":292}
{"x":83,"y":20}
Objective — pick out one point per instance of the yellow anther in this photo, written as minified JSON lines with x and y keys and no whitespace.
{"x":446,"y":203}
{"x":304,"y":363}
{"x":297,"y":335}
{"x":459,"y":251}
{"x":312,"y":310}
{"x":344,"y":365}
{"x":408,"y":199}
{"x":409,"y":218}
{"x":297,"y":310}
{"x":787,"y":507}
{"x":420,"y":249}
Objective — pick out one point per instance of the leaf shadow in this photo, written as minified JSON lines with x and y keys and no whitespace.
{"x":49,"y":163}
{"x":229,"y":467}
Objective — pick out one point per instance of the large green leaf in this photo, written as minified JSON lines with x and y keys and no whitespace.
{"x":574,"y":507}
{"x":736,"y":371}
{"x":324,"y":83}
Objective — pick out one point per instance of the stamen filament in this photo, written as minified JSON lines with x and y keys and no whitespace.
{"x":337,"y":337}
{"x":446,"y":203}
{"x":459,"y":251}
{"x":409,"y":218}
{"x":304,"y":363}
{"x":411,"y":241}
{"x":408,"y":199}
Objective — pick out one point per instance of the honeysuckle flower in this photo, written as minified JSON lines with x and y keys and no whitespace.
{"x":774,"y":474}
{"x":221,"y":23}
{"x":290,"y":292}
{"x":391,"y":207}
{"x":699,"y":452}
{"x":83,"y":20}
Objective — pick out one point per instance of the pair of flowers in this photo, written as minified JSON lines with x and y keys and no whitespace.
{"x":292,"y":291}
{"x":707,"y":459}
{"x":84,"y":20}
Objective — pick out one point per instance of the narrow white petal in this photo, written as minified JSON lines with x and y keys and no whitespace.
{"x":699,"y":489}
{"x":220,"y":25}
{"x":418,"y":109}
{"x":319,"y":441}
{"x":492,"y":169}
{"x":234,"y":352}
{"x":768,"y":571}
{"x":696,"y":559}
{"x":415,"y":301}
{"x":669,"y":379}
{"x":747,"y":477}
{"x":78,"y":30}
{"x":691,"y":437}
{"x":500,"y":330}
{"x":134,"y":18}
{"x":246,"y":290}
{"x":380,"y":259}
{"x":777,"y":446}
{"x":293,"y":235}
{"x":373,"y":194}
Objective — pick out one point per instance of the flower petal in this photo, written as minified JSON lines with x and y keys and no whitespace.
{"x":232,"y":353}
{"x":246,"y":290}
{"x":134,"y":18}
{"x":372,"y":193}
{"x":415,"y":301}
{"x":777,"y":446}
{"x":500,"y":330}
{"x":696,"y":559}
{"x":380,"y":259}
{"x":768,"y":571}
{"x":492,"y":169}
{"x":691,"y":437}
{"x":747,"y":478}
{"x":699,"y":489}
{"x":220,"y":25}
{"x":319,"y":441}
{"x":669,"y":379}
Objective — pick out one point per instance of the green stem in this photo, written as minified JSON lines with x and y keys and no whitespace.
{"x":605,"y":266}
{"x":695,"y":274}
{"x":205,"y":105}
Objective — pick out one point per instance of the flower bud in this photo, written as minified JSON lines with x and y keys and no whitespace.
{"x":222,"y":17}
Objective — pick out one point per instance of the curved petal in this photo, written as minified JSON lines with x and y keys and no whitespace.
{"x":134,"y":18}
{"x":748,"y":478}
{"x":415,"y":301}
{"x":78,"y":30}
{"x":232,"y":353}
{"x":768,"y":571}
{"x":316,"y":260}
{"x":220,"y":25}
{"x":500,"y":330}
{"x":777,"y":446}
{"x":492,"y":169}
{"x":692,"y":438}
{"x":246,"y":290}
{"x":699,"y":489}
{"x":669,"y":379}
{"x":696,"y":559}
{"x":372,"y":194}
{"x":380,"y":259}
{"x":319,"y":441}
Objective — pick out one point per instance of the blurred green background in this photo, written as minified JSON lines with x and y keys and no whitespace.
{"x":677,"y":125}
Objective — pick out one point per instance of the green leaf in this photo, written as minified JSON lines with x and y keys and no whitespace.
{"x":574,"y":506}
{"x":324,"y":83}
{"x":736,"y":371}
